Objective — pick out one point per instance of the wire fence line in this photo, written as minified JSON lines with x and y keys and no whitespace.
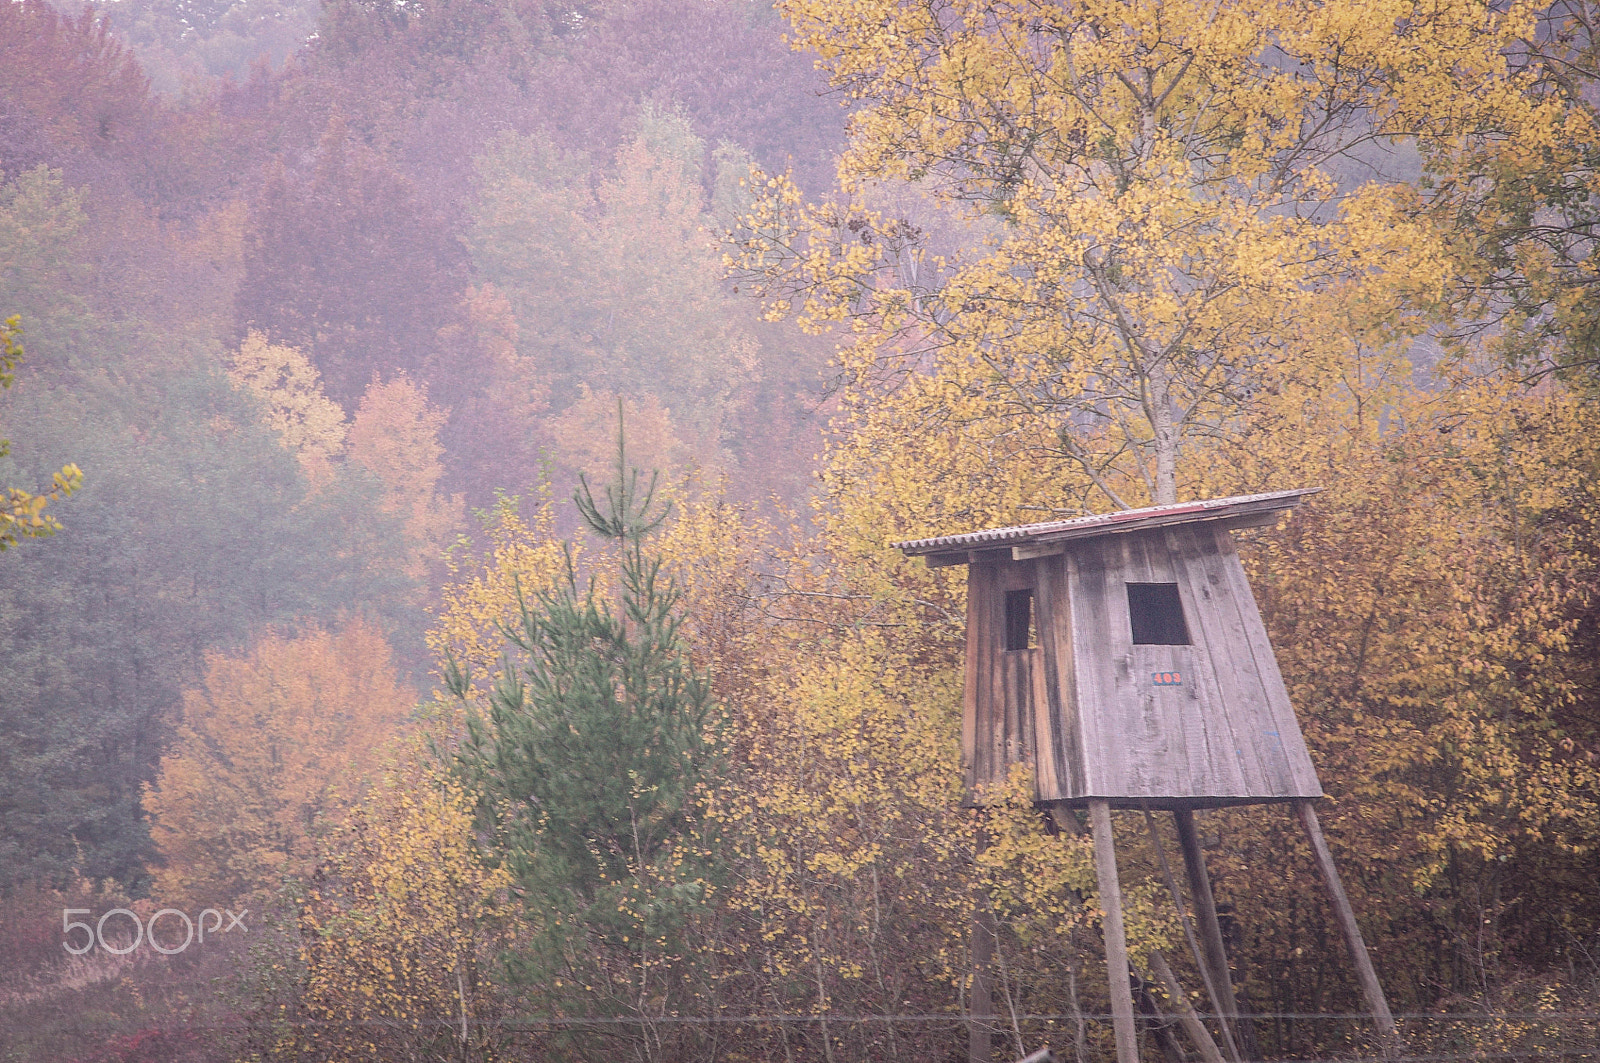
{"x":806,"y":1017}
{"x":1332,"y":1037}
{"x":1589,"y":1021}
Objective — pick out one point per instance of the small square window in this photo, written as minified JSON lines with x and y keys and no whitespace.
{"x":1019,"y":620}
{"x":1157,"y":615}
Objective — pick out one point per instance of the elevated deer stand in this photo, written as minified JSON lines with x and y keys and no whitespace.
{"x":1123,"y":658}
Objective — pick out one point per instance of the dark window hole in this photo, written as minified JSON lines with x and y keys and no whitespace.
{"x":1157,"y":615}
{"x":1019,"y":620}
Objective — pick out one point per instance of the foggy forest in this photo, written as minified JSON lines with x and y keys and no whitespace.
{"x":454,"y":456}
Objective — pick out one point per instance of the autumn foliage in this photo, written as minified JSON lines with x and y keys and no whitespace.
{"x":269,"y":743}
{"x":398,"y":931}
{"x":320,"y":350}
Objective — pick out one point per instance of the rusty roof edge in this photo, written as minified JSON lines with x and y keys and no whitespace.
{"x":1107,"y":523}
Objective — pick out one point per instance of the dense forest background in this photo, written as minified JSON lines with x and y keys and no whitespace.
{"x":322,"y":311}
{"x":466,"y":236}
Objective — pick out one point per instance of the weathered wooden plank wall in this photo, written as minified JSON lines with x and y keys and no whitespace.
{"x":1084,"y":707}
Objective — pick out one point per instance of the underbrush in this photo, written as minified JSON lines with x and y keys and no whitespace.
{"x":101,"y":1007}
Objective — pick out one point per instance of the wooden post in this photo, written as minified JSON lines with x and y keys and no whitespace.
{"x":1105,"y":866}
{"x":1180,"y":1003}
{"x":980,"y":1002}
{"x":1216,"y":953}
{"x":1346,"y":916}
{"x":1160,"y":1026}
{"x":980,"y":1007}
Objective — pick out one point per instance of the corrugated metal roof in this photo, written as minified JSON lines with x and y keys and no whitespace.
{"x":1126,"y":520}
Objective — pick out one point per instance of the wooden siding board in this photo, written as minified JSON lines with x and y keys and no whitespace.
{"x":1181,"y":744}
{"x":1003,"y":686}
{"x":1120,"y":711}
{"x":1047,"y":716}
{"x":1021,"y":749}
{"x":1058,"y":726}
{"x":1219,"y":639}
{"x":1145,"y":752}
{"x":1244,"y":698}
{"x":1205,"y":767}
{"x":1149,"y":559}
{"x":1021,"y":669}
{"x":1291,"y":740}
{"x":1218,"y":767}
{"x":1181,"y":774}
{"x":1135,"y":560}
{"x":1189,"y":706}
{"x":969,"y":689}
{"x":1158,"y":760}
{"x":1122,"y":766}
{"x":1013,"y":714}
{"x":1093,"y":686}
{"x":1018,"y":688}
{"x":1210,"y":747}
{"x":1038,"y":706}
{"x":981,"y":580}
{"x":995,"y":710}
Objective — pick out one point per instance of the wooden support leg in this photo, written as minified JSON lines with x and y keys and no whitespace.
{"x":1159,"y":1025}
{"x":980,"y":1009}
{"x":1105,"y":866}
{"x":1346,"y":916}
{"x":1216,"y":954}
{"x":1180,"y":1003}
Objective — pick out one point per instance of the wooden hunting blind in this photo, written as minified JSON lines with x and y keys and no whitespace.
{"x":1123,"y":658}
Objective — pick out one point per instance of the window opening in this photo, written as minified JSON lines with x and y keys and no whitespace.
{"x":1157,"y":615}
{"x":1019,"y":620}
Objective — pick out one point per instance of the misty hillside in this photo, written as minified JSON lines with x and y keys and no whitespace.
{"x":464,"y":232}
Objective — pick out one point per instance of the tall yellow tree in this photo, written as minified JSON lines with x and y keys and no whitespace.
{"x":310,"y":424}
{"x":270,"y":741}
{"x":1198,"y":274}
{"x":1179,"y":195}
{"x":395,"y":436}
